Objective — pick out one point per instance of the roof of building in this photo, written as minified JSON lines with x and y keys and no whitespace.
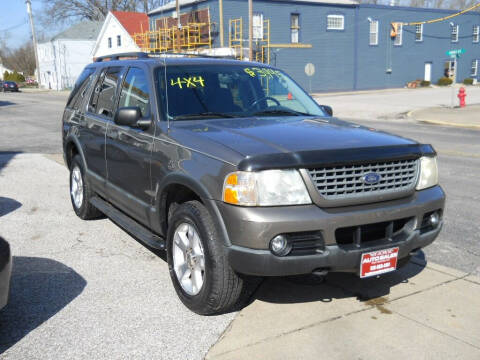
{"x":86,"y":30}
{"x":133,"y":22}
{"x":171,"y":5}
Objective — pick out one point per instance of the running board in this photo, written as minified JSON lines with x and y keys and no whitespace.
{"x":127,"y":223}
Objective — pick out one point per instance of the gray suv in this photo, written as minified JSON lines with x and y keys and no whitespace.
{"x":237,"y":172}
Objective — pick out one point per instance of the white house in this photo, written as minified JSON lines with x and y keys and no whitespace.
{"x":63,"y":57}
{"x":2,"y":71}
{"x":116,"y":35}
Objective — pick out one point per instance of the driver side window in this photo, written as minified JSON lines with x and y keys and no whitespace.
{"x":135,"y":91}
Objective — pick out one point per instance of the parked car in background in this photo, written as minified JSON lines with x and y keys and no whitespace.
{"x":5,"y":271}
{"x":9,"y":86}
{"x":235,"y":170}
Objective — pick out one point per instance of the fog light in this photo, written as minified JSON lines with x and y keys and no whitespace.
{"x":279,"y":245}
{"x":434,"y":219}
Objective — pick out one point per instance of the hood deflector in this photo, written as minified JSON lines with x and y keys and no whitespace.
{"x":318,"y":158}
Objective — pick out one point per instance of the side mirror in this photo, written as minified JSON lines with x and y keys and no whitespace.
{"x":131,"y":116}
{"x":327,"y":109}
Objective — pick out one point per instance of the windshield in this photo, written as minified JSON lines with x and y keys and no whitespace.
{"x":213,"y":91}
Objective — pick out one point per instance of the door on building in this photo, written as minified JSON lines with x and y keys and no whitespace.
{"x":428,"y":71}
{"x":449,"y":69}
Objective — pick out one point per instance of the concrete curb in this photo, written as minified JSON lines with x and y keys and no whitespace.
{"x":411,"y":114}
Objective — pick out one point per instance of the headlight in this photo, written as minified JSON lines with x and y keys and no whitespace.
{"x":265,"y":188}
{"x":428,"y":173}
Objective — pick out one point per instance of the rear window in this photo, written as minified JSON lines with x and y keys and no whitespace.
{"x":102,"y":101}
{"x":80,"y":88}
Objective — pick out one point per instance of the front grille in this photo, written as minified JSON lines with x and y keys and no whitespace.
{"x":348,"y":181}
{"x":365,"y":234}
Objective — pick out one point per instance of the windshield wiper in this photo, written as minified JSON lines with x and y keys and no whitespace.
{"x":203,"y":115}
{"x":281,"y":112}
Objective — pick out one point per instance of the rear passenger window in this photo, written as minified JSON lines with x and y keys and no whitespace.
{"x":135,"y":91}
{"x":102,"y":101}
{"x":81,"y":86}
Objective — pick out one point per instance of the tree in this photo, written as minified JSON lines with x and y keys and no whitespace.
{"x":61,"y":11}
{"x":21,"y":59}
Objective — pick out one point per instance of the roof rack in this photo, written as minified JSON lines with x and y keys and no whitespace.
{"x":144,"y":55}
{"x":172,"y":53}
{"x":138,"y":55}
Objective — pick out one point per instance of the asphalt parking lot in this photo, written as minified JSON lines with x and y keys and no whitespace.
{"x":89,"y":290}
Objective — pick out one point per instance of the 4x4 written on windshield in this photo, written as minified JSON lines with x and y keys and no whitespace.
{"x":199,"y":81}
{"x":188,"y":82}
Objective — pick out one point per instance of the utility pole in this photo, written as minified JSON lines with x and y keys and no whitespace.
{"x":34,"y":38}
{"x":220,"y":9}
{"x":250,"y":30}
{"x":179,"y":24}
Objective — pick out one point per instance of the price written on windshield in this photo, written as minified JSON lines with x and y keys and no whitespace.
{"x":262,"y":72}
{"x":188,"y":82}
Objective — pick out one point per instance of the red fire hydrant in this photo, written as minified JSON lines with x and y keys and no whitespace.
{"x":461,"y":96}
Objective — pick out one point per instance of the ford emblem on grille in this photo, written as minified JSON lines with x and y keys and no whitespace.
{"x":371,"y":178}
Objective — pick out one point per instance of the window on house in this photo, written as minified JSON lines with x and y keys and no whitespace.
{"x":257,"y":26}
{"x":119,"y":40}
{"x":335,"y":22}
{"x":474,"y":71}
{"x":294,"y":27}
{"x":110,"y":42}
{"x":454,"y":36}
{"x":399,"y":38}
{"x":476,"y":33}
{"x":419,"y":32}
{"x":374,"y":32}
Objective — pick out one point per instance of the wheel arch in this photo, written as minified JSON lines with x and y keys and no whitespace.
{"x":72,"y":148}
{"x":180,"y":188}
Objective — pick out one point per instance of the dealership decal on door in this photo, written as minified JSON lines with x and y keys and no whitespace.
{"x":378,"y":262}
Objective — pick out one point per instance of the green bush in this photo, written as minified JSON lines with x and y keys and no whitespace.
{"x":424,"y":83}
{"x":444,"y":81}
{"x":15,"y":76}
{"x":468,"y":81}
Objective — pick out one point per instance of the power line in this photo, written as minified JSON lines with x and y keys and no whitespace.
{"x":442,"y":18}
{"x":14,"y":26}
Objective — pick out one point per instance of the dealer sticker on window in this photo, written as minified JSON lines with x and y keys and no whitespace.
{"x":378,"y":262}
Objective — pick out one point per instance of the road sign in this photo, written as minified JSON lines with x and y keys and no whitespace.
{"x":309,"y":69}
{"x":455,"y":53}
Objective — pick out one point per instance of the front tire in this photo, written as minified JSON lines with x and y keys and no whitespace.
{"x":199,"y":268}
{"x":80,"y":192}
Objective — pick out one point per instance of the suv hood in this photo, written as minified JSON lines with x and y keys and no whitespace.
{"x":289,"y":137}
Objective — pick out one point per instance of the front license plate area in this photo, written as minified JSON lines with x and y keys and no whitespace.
{"x":378,"y":262}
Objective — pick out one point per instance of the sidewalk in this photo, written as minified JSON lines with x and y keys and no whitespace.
{"x":468,"y":117}
{"x":419,"y":312}
{"x":33,"y":90}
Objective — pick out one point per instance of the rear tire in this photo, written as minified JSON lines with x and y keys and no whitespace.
{"x":80,"y":192}
{"x":191,"y":228}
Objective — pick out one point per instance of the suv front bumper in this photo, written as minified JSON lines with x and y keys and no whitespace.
{"x":251,"y":229}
